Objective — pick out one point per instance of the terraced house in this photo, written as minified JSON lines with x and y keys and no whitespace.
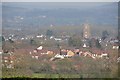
{"x":8,"y":60}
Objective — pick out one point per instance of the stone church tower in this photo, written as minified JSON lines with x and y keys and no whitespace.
{"x":86,"y":31}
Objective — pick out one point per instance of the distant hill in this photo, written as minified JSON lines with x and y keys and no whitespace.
{"x":26,"y":17}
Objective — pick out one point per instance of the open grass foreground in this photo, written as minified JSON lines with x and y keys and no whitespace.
{"x":83,"y":76}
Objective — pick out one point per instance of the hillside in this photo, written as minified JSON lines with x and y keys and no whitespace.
{"x":38,"y":17}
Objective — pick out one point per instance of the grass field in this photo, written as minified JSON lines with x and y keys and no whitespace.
{"x":56,"y":76}
{"x":40,"y":75}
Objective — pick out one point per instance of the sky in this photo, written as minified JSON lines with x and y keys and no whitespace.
{"x":55,"y":4}
{"x":59,"y":0}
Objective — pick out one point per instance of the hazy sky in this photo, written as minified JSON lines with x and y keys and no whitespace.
{"x":56,"y":4}
{"x":59,"y":0}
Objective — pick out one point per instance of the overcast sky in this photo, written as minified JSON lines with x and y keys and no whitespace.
{"x":53,"y":5}
{"x":59,"y":0}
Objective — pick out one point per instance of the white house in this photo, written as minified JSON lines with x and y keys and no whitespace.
{"x":84,"y":45}
{"x":40,"y":48}
{"x":40,"y":36}
{"x":57,"y":39}
{"x":115,"y":47}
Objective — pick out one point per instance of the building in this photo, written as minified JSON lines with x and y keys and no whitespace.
{"x":8,"y":60}
{"x":86,"y":31}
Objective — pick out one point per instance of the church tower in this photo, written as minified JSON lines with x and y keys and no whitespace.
{"x":86,"y":31}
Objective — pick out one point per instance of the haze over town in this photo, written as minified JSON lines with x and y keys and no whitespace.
{"x":53,"y":39}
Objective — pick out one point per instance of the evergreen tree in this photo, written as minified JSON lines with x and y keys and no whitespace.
{"x":98,"y":45}
{"x":49,"y":33}
{"x":104,"y":35}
